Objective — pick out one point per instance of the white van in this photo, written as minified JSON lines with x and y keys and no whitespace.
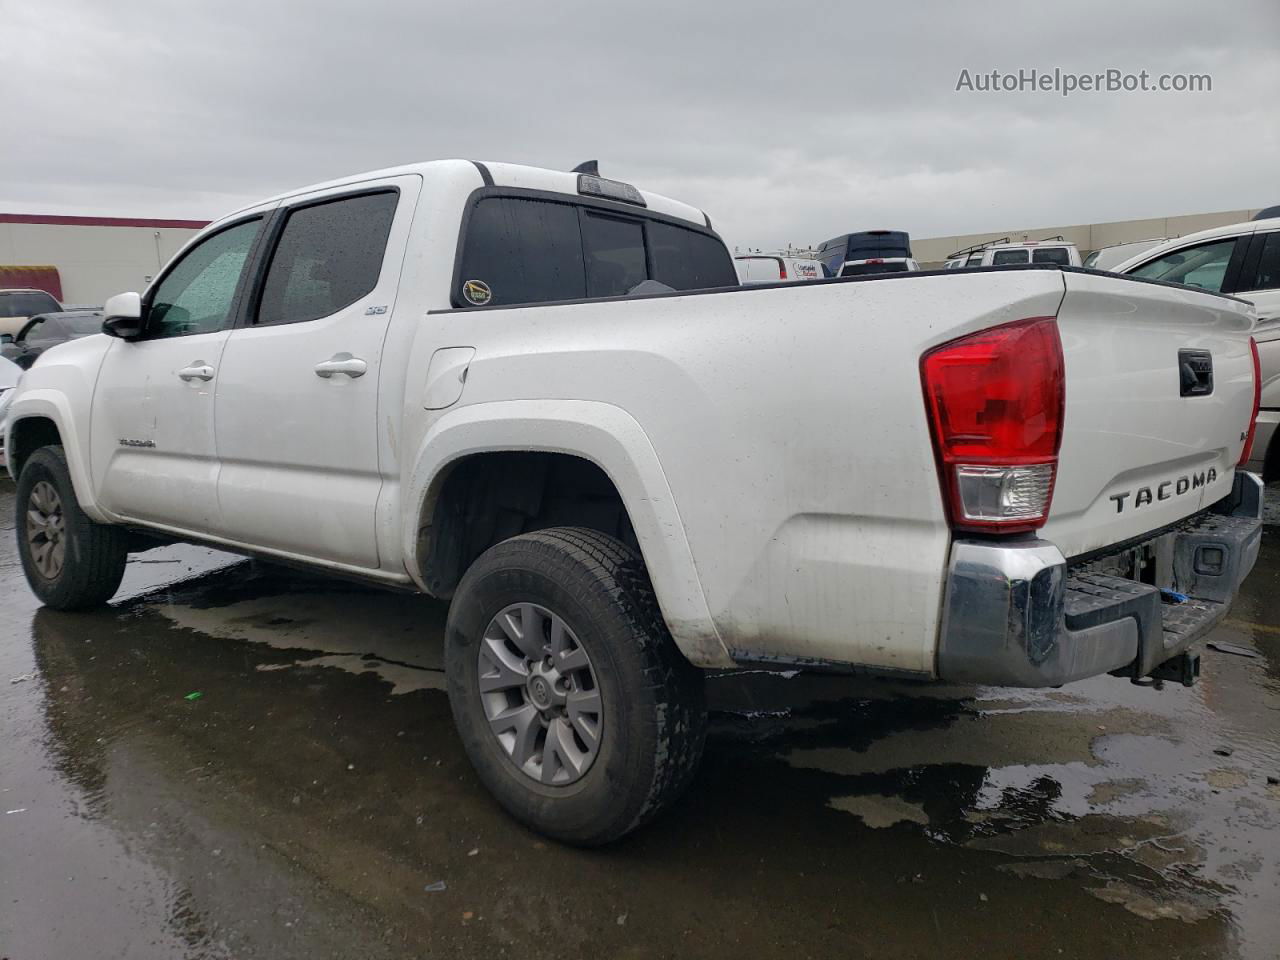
{"x":999,"y":253}
{"x":767,"y":268}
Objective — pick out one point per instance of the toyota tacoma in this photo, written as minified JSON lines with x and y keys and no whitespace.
{"x":543,"y":397}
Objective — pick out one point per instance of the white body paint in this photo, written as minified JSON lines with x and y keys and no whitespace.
{"x":770,"y":444}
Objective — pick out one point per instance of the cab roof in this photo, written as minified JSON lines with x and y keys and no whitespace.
{"x":502,"y":174}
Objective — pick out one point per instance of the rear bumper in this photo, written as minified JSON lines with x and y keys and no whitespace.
{"x":1019,"y":615}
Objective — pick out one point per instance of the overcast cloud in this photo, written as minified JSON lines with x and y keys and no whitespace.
{"x":787,"y":122}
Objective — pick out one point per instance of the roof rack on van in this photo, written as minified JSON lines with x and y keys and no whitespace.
{"x":977,"y":246}
{"x":1058,"y":237}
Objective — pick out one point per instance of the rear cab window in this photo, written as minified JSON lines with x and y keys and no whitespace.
{"x":520,"y":249}
{"x":1000,"y":257}
{"x":1058,"y":255}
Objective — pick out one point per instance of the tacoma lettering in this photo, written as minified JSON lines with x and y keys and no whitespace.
{"x":1143,"y":495}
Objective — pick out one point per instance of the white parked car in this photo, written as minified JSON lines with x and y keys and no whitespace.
{"x":1242,"y":259}
{"x":1108,"y":258}
{"x":1003,"y":253}
{"x":756,"y":268}
{"x":441,"y":377}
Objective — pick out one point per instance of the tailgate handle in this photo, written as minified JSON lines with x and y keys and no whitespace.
{"x":1195,"y":372}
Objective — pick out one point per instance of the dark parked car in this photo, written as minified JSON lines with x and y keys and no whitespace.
{"x":47,"y":330}
{"x":18,"y":305}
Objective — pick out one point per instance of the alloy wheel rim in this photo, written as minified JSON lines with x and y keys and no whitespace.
{"x":540,"y":694}
{"x":46,"y":530}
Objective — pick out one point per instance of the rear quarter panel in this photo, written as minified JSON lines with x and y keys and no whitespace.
{"x":790,"y":425}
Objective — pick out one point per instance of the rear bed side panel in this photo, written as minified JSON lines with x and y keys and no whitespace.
{"x":791,"y":428}
{"x":1136,"y":455}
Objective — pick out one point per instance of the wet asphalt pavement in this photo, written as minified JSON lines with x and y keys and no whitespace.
{"x":312,"y":800}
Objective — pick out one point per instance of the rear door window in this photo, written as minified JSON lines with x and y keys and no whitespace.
{"x":1008,"y":256}
{"x":329,"y":256}
{"x":1058,"y":255}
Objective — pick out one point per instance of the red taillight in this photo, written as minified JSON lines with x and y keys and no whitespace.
{"x":782,"y":269}
{"x":995,"y":401}
{"x":1257,"y":403}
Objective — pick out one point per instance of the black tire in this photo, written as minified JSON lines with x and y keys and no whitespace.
{"x":654,"y":706}
{"x":94,"y":555}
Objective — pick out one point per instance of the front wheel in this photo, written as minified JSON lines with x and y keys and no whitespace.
{"x":71,"y":562}
{"x":574,"y":705}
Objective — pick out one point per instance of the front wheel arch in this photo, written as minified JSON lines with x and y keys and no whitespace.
{"x":29,"y":435}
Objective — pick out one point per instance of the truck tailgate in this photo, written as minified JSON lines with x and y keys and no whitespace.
{"x":1141,"y":448}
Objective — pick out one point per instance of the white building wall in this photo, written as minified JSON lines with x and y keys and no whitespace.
{"x":94,"y":262}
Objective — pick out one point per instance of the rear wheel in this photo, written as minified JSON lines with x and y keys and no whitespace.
{"x":71,"y":562}
{"x":574,"y":705}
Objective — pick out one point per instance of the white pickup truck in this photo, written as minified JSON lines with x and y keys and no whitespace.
{"x":468,"y":379}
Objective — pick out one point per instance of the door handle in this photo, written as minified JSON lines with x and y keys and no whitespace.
{"x":197,"y":371}
{"x":341,"y":363}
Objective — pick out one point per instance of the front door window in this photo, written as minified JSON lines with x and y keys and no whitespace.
{"x":196,"y":296}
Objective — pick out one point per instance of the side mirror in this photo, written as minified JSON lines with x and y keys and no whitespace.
{"x":122,"y":316}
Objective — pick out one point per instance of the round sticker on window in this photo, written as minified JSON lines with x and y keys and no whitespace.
{"x":477,"y":292}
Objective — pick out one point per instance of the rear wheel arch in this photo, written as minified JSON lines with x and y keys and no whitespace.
{"x":479,"y":500}
{"x":615,"y":450}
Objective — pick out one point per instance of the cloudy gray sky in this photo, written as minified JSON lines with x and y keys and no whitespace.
{"x":787,"y":122}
